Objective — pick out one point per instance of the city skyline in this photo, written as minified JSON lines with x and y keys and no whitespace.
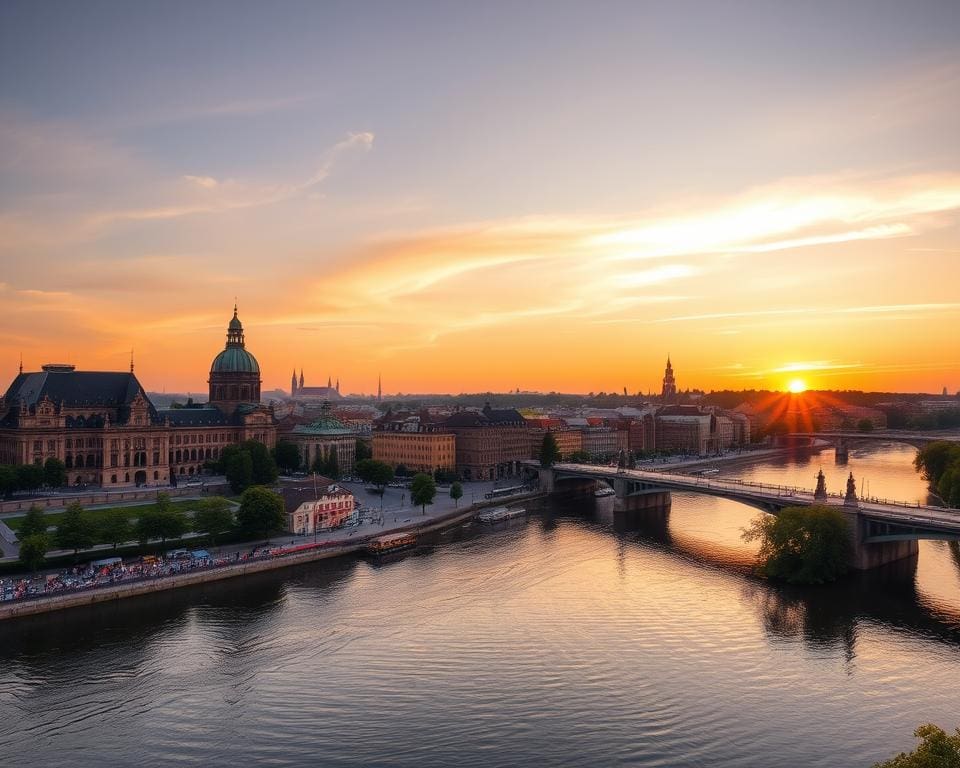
{"x":558,"y":211}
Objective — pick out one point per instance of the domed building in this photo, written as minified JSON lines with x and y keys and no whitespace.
{"x":234,"y":373}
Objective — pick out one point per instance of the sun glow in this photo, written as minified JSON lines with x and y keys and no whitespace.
{"x":796,"y":386}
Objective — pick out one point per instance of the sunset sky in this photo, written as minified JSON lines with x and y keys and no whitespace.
{"x":484,"y":196}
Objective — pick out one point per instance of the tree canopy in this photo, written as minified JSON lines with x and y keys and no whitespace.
{"x":287,"y":456}
{"x":33,"y":550}
{"x":376,"y":472}
{"x":54,"y":473}
{"x":115,"y":528}
{"x":802,"y":545}
{"x":939,"y":463}
{"x":75,"y":531}
{"x":214,"y":518}
{"x":33,"y":523}
{"x":456,"y":493}
{"x":261,"y":512}
{"x":549,"y":452}
{"x":255,"y":465}
{"x":423,"y":490}
{"x":937,"y":749}
{"x":162,"y":521}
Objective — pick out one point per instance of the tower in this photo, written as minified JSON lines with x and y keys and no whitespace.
{"x":669,"y":393}
{"x":379,"y":388}
{"x":301,"y":379}
{"x":293,"y":384}
{"x":234,"y":373}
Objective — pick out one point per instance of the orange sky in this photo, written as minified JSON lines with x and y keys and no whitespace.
{"x":559,"y":211}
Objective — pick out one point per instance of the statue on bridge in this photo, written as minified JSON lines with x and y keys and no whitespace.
{"x":821,"y":493}
{"x":850,"y":500}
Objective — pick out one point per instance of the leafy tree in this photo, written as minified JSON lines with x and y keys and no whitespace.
{"x":115,"y":528}
{"x":33,"y":523}
{"x":328,"y":466}
{"x":934,"y":458}
{"x":579,"y":457}
{"x":937,"y":749}
{"x":29,"y":477}
{"x":54,"y":473}
{"x":363,"y":451}
{"x":549,"y":452}
{"x":75,"y":531}
{"x":33,"y":550}
{"x":238,"y":467}
{"x":443,"y":476}
{"x":865,"y":425}
{"x":401,"y":470}
{"x":456,"y":493}
{"x":262,"y":467}
{"x":261,"y":512}
{"x":214,"y":518}
{"x":423,"y":491}
{"x":161,"y":521}
{"x":376,"y":472}
{"x":803,"y":545}
{"x":949,"y":486}
{"x":287,"y":456}
{"x":8,"y":479}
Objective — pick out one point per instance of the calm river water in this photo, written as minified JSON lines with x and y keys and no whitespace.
{"x":554,"y":642}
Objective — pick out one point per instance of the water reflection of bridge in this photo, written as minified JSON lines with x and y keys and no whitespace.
{"x":884,"y":530}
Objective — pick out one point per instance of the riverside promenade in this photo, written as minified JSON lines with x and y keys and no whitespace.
{"x":301,"y":550}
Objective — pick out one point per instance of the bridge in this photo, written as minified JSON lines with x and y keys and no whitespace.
{"x":841,"y":440}
{"x":883,"y":530}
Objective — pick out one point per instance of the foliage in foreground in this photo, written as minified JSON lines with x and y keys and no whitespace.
{"x":937,"y":749}
{"x":939,"y":463}
{"x":802,"y":545}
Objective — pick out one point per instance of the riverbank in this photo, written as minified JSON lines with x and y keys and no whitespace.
{"x":300,"y":555}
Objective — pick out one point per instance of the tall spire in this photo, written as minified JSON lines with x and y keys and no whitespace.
{"x":293,"y":383}
{"x":379,"y":387}
{"x":21,"y":362}
{"x":301,"y":378}
{"x":329,"y":382}
{"x":131,"y":359}
{"x":338,"y":385}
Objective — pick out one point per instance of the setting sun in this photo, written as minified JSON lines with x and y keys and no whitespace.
{"x":796,"y":386}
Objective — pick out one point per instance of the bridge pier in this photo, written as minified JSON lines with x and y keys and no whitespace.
{"x":641,"y":511}
{"x":866,"y":555}
{"x":842,"y":452}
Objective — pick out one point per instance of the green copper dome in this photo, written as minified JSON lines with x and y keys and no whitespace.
{"x":234,"y":360}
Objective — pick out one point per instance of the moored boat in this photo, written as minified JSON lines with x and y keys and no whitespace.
{"x":394,"y":542}
{"x":499,"y":514}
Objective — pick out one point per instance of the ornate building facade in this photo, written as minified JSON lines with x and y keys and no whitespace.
{"x":107,"y":432}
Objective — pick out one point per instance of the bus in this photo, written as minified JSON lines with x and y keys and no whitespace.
{"x":499,"y":493}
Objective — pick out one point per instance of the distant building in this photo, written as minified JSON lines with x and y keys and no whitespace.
{"x":568,"y":439}
{"x":669,"y":392}
{"x":305,"y":394}
{"x":491,"y":444}
{"x":414,"y":440}
{"x":316,"y":504}
{"x":107,"y":432}
{"x":599,"y":442}
{"x":317,"y":438}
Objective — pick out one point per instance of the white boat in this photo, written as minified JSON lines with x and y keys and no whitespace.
{"x":605,"y":491}
{"x":499,"y":514}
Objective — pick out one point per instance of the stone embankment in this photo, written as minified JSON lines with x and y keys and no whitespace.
{"x":114,"y":498}
{"x":58,"y":602}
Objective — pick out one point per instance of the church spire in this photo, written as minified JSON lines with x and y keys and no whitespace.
{"x":379,"y":387}
{"x":131,"y":359}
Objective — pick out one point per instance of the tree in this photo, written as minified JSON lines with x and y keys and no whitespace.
{"x":115,"y":528}
{"x":238,"y":467}
{"x":376,"y":472}
{"x":363,"y":451}
{"x":264,"y":467}
{"x":33,"y":550}
{"x":456,"y":493}
{"x":422,"y":491}
{"x":75,"y":531}
{"x":865,"y":425}
{"x":8,"y":479}
{"x":29,"y":477}
{"x":213,"y":518}
{"x":579,"y":457}
{"x":549,"y":452}
{"x":287,"y":456}
{"x":33,"y":523}
{"x":802,"y":545}
{"x":949,"y":486}
{"x":937,"y":749}
{"x":261,"y":512}
{"x":161,"y":521}
{"x":54,"y":473}
{"x":934,"y":458}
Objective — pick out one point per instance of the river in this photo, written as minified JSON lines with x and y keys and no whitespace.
{"x":554,"y":641}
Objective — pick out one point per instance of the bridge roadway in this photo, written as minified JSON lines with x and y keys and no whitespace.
{"x":886,"y":520}
{"x":915,"y":439}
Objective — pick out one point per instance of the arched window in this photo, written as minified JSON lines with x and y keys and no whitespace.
{"x":79,"y":462}
{"x":156,"y":475}
{"x":113,"y":479}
